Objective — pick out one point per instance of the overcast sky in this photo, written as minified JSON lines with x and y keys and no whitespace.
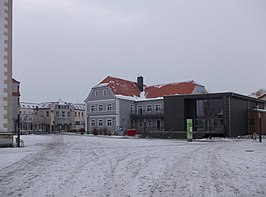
{"x":62,"y":48}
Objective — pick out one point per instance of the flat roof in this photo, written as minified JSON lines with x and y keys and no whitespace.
{"x":217,"y":95}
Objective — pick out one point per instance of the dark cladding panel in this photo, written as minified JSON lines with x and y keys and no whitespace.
{"x":174,"y":113}
{"x":239,"y":116}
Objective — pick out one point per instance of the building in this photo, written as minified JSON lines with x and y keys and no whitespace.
{"x":117,"y":104}
{"x":79,"y":117}
{"x":51,"y":116}
{"x":6,"y":123}
{"x":27,"y":111}
{"x":260,"y":94}
{"x":218,"y":114}
{"x":15,"y":102}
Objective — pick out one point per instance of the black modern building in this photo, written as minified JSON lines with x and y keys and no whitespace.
{"x":217,"y":114}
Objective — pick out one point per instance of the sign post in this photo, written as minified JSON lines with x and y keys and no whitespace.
{"x":189,"y":130}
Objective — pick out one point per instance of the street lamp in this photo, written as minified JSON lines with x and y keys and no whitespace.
{"x":260,"y":126}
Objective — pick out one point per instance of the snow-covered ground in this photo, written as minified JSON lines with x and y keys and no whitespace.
{"x":74,"y":165}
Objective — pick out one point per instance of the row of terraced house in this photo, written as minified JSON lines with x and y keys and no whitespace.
{"x":51,"y":116}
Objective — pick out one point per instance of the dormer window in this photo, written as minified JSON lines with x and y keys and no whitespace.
{"x":104,"y":92}
{"x":96,"y":92}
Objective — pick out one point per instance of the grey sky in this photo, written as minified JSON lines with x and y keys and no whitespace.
{"x":62,"y":48}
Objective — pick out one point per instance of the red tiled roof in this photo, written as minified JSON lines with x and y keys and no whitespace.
{"x":170,"y":89}
{"x":121,"y":86}
{"x":129,"y":88}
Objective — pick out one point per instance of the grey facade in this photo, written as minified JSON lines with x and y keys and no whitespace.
{"x":102,"y":110}
{"x":221,"y":114}
{"x":148,"y":115}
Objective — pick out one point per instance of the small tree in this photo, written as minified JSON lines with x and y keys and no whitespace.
{"x":94,"y":131}
{"x":104,"y":131}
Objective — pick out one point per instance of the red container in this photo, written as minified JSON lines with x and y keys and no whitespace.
{"x":131,"y":132}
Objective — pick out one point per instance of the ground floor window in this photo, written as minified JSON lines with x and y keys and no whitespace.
{"x":109,"y":123}
{"x":93,"y":124}
{"x":100,"y":123}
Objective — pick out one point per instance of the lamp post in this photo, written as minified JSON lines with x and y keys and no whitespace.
{"x":260,"y":126}
{"x":18,"y":138}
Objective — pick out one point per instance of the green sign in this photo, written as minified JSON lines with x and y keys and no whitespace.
{"x":189,"y":130}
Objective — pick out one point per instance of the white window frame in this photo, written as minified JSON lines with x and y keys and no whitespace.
{"x":149,"y":123}
{"x":140,"y":123}
{"x":92,"y":107}
{"x":93,"y":123}
{"x":109,"y":122}
{"x":140,"y":107}
{"x":109,"y":107}
{"x":149,"y":108}
{"x":96,"y":93}
{"x":104,"y":92}
{"x":100,"y":121}
{"x":100,"y":109}
{"x":158,"y":107}
{"x":131,"y":108}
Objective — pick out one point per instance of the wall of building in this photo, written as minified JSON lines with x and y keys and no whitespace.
{"x":6,"y":66}
{"x":235,"y":114}
{"x":238,"y":116}
{"x":174,"y":113}
{"x":124,"y":112}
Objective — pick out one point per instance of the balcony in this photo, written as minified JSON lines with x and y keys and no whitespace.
{"x":144,"y":114}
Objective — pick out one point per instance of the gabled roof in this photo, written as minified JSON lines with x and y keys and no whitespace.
{"x":79,"y":106}
{"x":258,"y":94}
{"x":170,"y":89}
{"x":15,"y":81}
{"x":121,"y":86}
{"x":125,"y":88}
{"x":26,"y":105}
{"x":46,"y":105}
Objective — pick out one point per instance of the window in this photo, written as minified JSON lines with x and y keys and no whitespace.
{"x":149,"y":108}
{"x":57,"y":114}
{"x":157,"y":107}
{"x":58,"y":106}
{"x":93,"y":124}
{"x":82,"y":114}
{"x":96,"y":92}
{"x":68,"y":114}
{"x":149,"y":123}
{"x":75,"y":114}
{"x":100,"y":107}
{"x":63,"y":113}
{"x":100,"y":123}
{"x":140,"y":123}
{"x":104,"y":92}
{"x":79,"y":114}
{"x":131,"y":109}
{"x":109,"y":123}
{"x":140,"y":108}
{"x":93,"y":108}
{"x":109,"y":107}
{"x":47,"y":113}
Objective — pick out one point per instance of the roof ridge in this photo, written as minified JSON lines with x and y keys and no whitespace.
{"x":174,"y":83}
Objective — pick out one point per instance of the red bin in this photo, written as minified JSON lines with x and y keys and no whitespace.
{"x":131,"y":132}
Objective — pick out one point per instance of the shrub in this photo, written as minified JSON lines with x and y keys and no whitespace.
{"x":94,"y":131}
